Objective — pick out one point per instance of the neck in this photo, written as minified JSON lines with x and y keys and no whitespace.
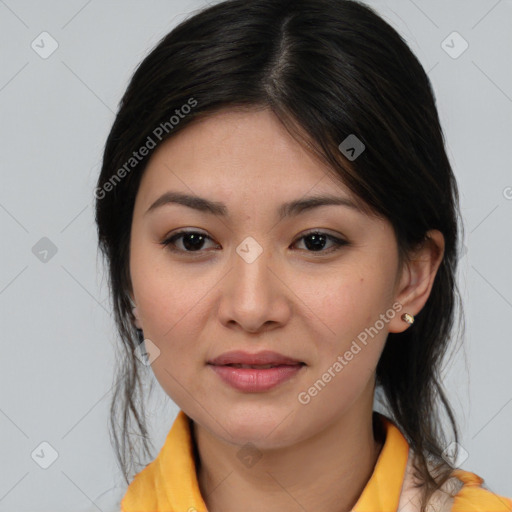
{"x":325,"y":472}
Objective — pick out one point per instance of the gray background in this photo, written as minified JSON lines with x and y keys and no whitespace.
{"x":57,"y":331}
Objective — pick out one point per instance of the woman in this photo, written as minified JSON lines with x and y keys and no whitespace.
{"x":281,"y":225}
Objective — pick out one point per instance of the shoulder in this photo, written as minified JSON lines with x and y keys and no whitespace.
{"x":470,"y":494}
{"x":464,"y":491}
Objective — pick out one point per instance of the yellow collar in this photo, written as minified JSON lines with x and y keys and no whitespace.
{"x":169,"y":483}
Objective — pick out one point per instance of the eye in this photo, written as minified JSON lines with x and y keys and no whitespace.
{"x":316,"y":240}
{"x":192,"y":241}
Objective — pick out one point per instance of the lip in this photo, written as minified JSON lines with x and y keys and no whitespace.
{"x":255,"y":379}
{"x":259,"y":358}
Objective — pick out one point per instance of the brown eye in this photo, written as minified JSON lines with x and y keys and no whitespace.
{"x":192,"y":241}
{"x":315,"y":241}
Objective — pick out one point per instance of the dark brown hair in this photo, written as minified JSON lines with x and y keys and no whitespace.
{"x":327,"y":69}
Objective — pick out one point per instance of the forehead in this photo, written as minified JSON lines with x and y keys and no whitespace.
{"x":233,"y":151}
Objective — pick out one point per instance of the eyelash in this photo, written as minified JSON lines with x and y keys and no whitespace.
{"x":168,"y":242}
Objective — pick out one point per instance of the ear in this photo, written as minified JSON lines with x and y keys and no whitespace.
{"x":417,"y":278}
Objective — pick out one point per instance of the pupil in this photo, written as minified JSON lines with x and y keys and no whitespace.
{"x":196,"y":239}
{"x":318,"y":241}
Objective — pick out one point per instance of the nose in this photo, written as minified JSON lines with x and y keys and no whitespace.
{"x":253,"y":295}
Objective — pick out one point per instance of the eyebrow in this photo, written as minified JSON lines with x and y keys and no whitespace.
{"x":220,"y":210}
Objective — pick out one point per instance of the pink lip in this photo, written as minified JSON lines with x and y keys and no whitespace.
{"x":260,"y":358}
{"x":255,"y":379}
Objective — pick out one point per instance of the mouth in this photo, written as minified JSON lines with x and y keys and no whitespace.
{"x":256,"y":378}
{"x":260,"y":366}
{"x":263,"y":360}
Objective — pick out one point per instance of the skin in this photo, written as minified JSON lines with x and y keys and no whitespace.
{"x":306,"y":304}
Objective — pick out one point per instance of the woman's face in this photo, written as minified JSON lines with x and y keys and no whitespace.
{"x":256,"y":282}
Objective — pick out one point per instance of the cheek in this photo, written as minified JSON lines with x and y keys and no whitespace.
{"x":348,"y":346}
{"x":344,"y":306}
{"x":169,"y":304}
{"x":173,"y":320}
{"x":165,"y":293}
{"x":350,"y":333}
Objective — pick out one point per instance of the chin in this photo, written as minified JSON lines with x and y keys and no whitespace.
{"x":265,"y":427}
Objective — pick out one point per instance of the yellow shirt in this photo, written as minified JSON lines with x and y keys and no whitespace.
{"x":169,"y":483}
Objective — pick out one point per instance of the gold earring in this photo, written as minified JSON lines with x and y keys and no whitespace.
{"x":406,"y":317}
